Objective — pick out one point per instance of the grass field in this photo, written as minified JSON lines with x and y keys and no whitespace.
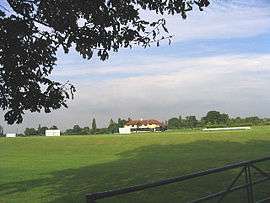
{"x":64,"y":169}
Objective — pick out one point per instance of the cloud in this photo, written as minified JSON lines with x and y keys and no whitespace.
{"x":191,"y":85}
{"x":222,"y":19}
{"x":166,"y":87}
{"x":155,"y":65}
{"x":174,"y":73}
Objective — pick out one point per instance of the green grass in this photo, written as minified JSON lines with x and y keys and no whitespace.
{"x":64,"y":169}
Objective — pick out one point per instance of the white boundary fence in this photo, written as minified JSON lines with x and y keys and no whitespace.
{"x":227,"y":129}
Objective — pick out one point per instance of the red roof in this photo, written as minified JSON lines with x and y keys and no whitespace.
{"x":144,"y":122}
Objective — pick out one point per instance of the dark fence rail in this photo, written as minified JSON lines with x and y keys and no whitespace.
{"x":246,"y":167}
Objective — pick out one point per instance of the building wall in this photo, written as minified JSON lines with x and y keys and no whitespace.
{"x":125,"y":130}
{"x":52,"y":132}
{"x":152,"y":126}
{"x":11,"y":135}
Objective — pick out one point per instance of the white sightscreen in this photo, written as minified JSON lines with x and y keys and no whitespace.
{"x":52,"y":132}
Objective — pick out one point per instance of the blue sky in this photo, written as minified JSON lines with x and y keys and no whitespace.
{"x":219,"y":59}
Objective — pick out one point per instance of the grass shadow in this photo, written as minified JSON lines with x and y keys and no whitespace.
{"x":142,"y":165}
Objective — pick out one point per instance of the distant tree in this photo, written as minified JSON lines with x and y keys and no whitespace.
{"x":173,"y":123}
{"x":77,"y":129}
{"x":215,"y":117}
{"x":253,"y":120}
{"x":1,"y":131}
{"x":69,"y":132}
{"x":85,"y":131}
{"x":111,"y":121}
{"x":102,"y":131}
{"x":113,"y":127}
{"x":30,"y":131}
{"x":166,"y":123}
{"x":211,"y":117}
{"x":181,"y":122}
{"x":54,"y":127}
{"x":238,"y":121}
{"x":191,"y":121}
{"x":41,"y":130}
{"x":94,"y":126}
{"x":224,"y":118}
{"x":121,"y":122}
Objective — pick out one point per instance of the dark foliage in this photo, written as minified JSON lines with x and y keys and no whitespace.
{"x":94,"y":126}
{"x":54,"y":127}
{"x":33,"y":30}
{"x":1,"y":131}
{"x":30,"y":131}
{"x":215,"y":119}
{"x":40,"y":131}
{"x":77,"y":130}
{"x":113,"y":127}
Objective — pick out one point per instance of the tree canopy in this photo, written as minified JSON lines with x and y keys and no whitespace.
{"x":31,"y":32}
{"x":215,"y":117}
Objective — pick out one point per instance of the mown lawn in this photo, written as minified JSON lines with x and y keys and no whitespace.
{"x":64,"y":169}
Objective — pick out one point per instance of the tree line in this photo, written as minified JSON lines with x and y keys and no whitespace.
{"x":93,"y":129}
{"x":76,"y":130}
{"x":211,"y":120}
{"x":214,"y":119}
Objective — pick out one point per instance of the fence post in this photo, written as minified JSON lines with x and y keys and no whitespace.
{"x":90,"y":199}
{"x":249,"y":183}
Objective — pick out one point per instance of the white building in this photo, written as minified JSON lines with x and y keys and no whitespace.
{"x":144,"y":125}
{"x":51,"y":133}
{"x":125,"y":130}
{"x":11,"y":135}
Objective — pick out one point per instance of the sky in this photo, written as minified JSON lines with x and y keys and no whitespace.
{"x":219,"y":59}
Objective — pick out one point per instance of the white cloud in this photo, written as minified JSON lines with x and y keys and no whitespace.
{"x":154,"y":65}
{"x":191,"y":85}
{"x":222,"y":19}
{"x":237,"y":84}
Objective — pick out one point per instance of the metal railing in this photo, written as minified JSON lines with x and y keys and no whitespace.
{"x":246,"y":167}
